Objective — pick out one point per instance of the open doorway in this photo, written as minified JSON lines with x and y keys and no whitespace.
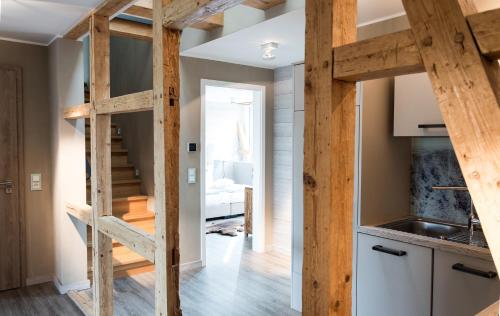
{"x":232,"y":165}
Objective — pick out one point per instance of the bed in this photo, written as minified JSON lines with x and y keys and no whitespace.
{"x":224,"y":197}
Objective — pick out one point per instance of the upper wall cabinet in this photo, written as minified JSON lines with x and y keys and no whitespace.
{"x":416,"y":112}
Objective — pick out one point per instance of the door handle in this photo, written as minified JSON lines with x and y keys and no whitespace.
{"x":8,"y":185}
{"x":463,"y":268}
{"x":398,"y":253}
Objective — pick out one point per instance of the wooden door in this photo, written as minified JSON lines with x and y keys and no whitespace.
{"x":10,"y":241}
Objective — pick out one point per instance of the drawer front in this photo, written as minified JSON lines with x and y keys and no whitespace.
{"x":458,"y":290}
{"x":393,"y":278}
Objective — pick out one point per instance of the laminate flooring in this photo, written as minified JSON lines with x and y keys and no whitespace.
{"x":236,"y":281}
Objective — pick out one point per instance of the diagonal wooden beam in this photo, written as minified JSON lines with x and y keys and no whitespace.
{"x":108,"y":8}
{"x":328,"y":162}
{"x":128,"y":235}
{"x":180,"y":14}
{"x":468,"y":99}
{"x":100,"y":149}
{"x":397,"y":53}
{"x":166,"y":123}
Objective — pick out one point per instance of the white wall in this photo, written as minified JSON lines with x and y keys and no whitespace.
{"x":282,"y":158}
{"x":68,"y":164}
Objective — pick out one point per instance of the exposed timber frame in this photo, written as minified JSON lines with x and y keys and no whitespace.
{"x":456,"y":46}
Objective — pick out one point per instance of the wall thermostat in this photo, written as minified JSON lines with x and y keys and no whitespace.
{"x":191,"y":147}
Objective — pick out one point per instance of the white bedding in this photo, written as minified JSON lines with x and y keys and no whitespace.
{"x":224,"y":200}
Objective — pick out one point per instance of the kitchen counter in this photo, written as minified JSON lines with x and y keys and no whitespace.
{"x":444,"y":245}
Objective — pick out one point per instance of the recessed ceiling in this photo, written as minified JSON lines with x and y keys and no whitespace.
{"x":40,"y":21}
{"x":244,"y":46}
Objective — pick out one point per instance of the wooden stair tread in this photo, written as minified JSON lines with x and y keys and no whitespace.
{"x":131,"y":198}
{"x":117,"y":150}
{"x":124,"y":258}
{"x":113,"y":137}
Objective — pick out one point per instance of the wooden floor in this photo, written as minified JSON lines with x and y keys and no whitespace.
{"x":236,"y":281}
{"x":39,"y":300}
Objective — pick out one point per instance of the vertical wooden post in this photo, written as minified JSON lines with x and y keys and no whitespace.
{"x":166,"y":44}
{"x":468,"y":92}
{"x":328,"y":162}
{"x":100,"y":126}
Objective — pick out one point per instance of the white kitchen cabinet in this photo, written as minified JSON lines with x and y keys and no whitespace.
{"x":416,"y":112}
{"x":393,"y":278}
{"x":463,"y":285}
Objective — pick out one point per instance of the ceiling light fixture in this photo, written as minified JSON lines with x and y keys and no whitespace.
{"x":268,"y":50}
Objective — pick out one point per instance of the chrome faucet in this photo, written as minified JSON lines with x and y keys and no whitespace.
{"x":473,"y":220}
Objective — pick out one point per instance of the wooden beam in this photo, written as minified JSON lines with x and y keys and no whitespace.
{"x":108,"y":8}
{"x":210,"y":23}
{"x":141,"y":12}
{"x":131,"y":29}
{"x":468,"y":99}
{"x":384,"y":56}
{"x":77,"y":111}
{"x":180,"y":14}
{"x":128,"y":235}
{"x":397,"y":53}
{"x":100,"y":135}
{"x":81,"y":212}
{"x":263,"y":4}
{"x":166,"y":117}
{"x":486,"y":30}
{"x":328,"y":162}
{"x":134,"y":102}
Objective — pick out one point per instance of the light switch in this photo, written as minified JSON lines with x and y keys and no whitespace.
{"x":191,"y":175}
{"x":36,"y":182}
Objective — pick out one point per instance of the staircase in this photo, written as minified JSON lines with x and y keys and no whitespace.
{"x":128,"y":204}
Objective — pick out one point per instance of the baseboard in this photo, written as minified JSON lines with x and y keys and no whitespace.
{"x":77,"y":286}
{"x":39,"y":280}
{"x":191,"y":265}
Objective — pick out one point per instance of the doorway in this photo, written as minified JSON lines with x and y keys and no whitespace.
{"x":232,"y":159}
{"x":11,"y":183}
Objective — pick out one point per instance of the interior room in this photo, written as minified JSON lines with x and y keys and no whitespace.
{"x":257,"y":157}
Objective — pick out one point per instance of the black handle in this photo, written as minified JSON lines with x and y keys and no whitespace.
{"x":484,"y":274}
{"x":390,"y":251}
{"x":431,"y":126}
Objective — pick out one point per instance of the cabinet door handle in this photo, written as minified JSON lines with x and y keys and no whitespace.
{"x":485,"y":274}
{"x":390,"y":251}
{"x":431,"y":126}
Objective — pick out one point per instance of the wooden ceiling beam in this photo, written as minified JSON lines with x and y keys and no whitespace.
{"x":131,"y":29}
{"x":210,"y":23}
{"x":262,"y":4}
{"x":183,"y":13}
{"x":108,"y":8}
{"x":398,"y":54}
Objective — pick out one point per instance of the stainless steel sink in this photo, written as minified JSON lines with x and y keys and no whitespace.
{"x":426,"y":228}
{"x":440,"y":230}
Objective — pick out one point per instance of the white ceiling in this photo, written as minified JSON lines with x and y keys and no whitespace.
{"x":40,"y":21}
{"x":244,"y":46}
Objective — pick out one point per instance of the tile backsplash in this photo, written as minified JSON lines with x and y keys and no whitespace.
{"x":434,"y":164}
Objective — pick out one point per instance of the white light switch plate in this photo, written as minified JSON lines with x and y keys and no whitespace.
{"x":191,"y":175}
{"x":36,"y":182}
